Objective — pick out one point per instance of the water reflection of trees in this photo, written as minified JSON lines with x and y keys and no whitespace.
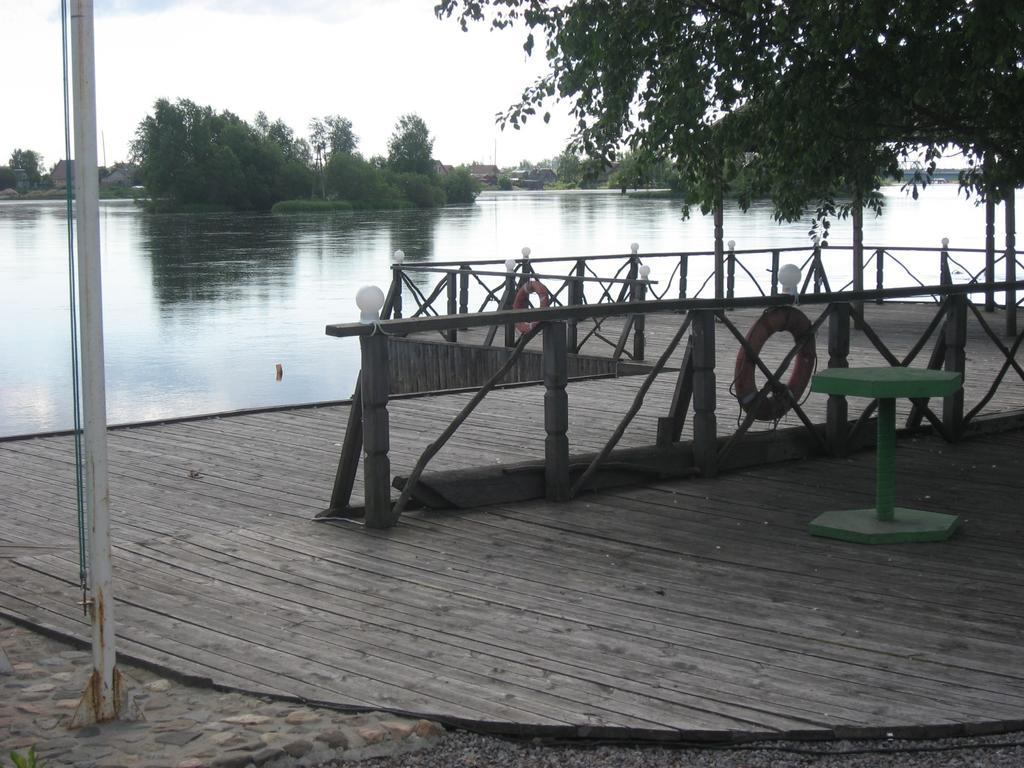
{"x":212,"y":258}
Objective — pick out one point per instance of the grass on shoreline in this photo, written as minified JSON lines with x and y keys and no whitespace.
{"x":330,"y":206}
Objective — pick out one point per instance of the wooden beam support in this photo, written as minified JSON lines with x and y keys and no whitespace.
{"x":775,"y":273}
{"x":879,"y":273}
{"x":705,"y":427}
{"x":670,"y":428}
{"x":393,"y":302}
{"x":990,"y":251}
{"x":857,"y":217}
{"x":575,"y":299}
{"x":640,"y":323}
{"x":837,"y":423}
{"x":719,"y":214}
{"x":452,"y":334}
{"x":556,"y":414}
{"x":511,"y":287}
{"x":348,"y":462}
{"x":1011,"y":263}
{"x":955,"y":360}
{"x":374,"y":386}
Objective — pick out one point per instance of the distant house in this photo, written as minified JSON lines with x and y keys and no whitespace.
{"x":61,"y":173}
{"x":441,"y":169}
{"x":485,"y":174}
{"x":545,"y":175}
{"x":20,"y":179}
{"x":533,"y":178}
{"x":122,"y":176}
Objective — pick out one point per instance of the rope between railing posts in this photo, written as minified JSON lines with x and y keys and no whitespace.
{"x":83,"y":574}
{"x":668,"y":284}
{"x":752,"y":278}
{"x":703,"y":286}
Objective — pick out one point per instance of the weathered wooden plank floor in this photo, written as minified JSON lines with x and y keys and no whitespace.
{"x":698,"y":607}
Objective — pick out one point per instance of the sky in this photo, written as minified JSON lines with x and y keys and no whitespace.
{"x":368,"y":60}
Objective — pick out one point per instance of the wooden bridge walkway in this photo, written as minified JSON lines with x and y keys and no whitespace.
{"x":690,"y":609}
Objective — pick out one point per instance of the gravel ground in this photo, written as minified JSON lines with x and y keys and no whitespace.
{"x":464,"y":750}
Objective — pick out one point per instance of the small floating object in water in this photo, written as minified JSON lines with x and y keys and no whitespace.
{"x":279,"y":371}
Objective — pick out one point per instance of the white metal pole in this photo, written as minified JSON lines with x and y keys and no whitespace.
{"x":101,"y":700}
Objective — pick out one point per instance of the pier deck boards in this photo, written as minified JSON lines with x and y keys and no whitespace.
{"x":699,"y":608}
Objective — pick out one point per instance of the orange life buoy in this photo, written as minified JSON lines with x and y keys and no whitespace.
{"x":522,"y":300}
{"x":773,"y":406}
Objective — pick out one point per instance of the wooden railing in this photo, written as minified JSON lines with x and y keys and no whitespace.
{"x":695,"y":391}
{"x":464,"y":287}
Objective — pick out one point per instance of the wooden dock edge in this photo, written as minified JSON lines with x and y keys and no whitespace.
{"x":581,"y":733}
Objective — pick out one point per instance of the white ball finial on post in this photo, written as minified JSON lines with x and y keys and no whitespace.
{"x":398,"y":257}
{"x":634,"y":248}
{"x":945,"y":242}
{"x":510,"y":265}
{"x":732,"y":245}
{"x":369,"y":299}
{"x":526,"y":252}
{"x":645,"y":271}
{"x":789,"y":279}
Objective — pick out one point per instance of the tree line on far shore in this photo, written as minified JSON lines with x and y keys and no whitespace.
{"x":192,"y":157}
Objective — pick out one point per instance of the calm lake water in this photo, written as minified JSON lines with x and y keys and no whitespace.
{"x":198,"y":309}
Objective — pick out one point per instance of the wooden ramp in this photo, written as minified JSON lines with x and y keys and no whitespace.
{"x":699,"y":609}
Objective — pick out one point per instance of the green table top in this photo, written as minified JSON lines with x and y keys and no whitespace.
{"x":888,"y":381}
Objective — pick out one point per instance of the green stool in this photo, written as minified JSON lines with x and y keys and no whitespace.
{"x":886,"y":523}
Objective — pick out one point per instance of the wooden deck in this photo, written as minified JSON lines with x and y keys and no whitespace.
{"x":692,"y":609}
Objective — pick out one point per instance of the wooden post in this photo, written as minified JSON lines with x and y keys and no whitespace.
{"x":510,"y":292}
{"x":374,"y":386}
{"x":857,"y":214}
{"x":879,"y":272}
{"x":464,"y":270}
{"x":816,"y":266}
{"x":684,"y":268}
{"x":575,"y":300}
{"x":775,"y":273}
{"x":956,"y":341}
{"x":1011,"y":263}
{"x":452,"y":334}
{"x":990,"y":251}
{"x":396,"y":296}
{"x":556,"y":414}
{"x":730,"y":271}
{"x":705,"y":427}
{"x":945,"y":275}
{"x":719,"y":213}
{"x":837,"y":418}
{"x":640,"y":321}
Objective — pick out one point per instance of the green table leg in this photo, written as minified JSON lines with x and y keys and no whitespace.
{"x":885,"y":459}
{"x":886,"y":523}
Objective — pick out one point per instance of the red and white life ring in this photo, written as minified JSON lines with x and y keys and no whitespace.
{"x":774,"y":405}
{"x":522,"y":300}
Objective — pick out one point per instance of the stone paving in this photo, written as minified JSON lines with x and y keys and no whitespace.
{"x":41,"y":682}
